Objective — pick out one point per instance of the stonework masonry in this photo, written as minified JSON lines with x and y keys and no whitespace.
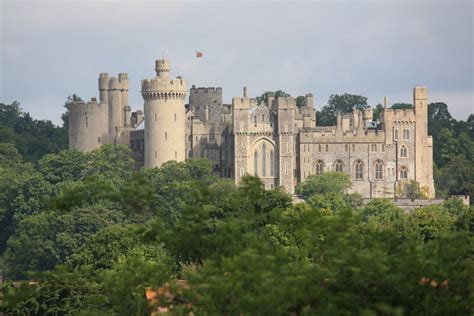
{"x":276,"y":140}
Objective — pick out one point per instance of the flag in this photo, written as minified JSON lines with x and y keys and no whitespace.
{"x":198,"y":54}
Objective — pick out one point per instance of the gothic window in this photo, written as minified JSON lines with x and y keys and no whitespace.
{"x":327,"y":147}
{"x":271,"y":163}
{"x":264,"y":160}
{"x":359,"y":170}
{"x":374,"y":147}
{"x":383,"y":148}
{"x":379,"y":170}
{"x":319,"y":167}
{"x":395,"y":137}
{"x":255,"y":163}
{"x":408,"y":134}
{"x":403,"y":173}
{"x":319,"y":147}
{"x":339,"y":166}
{"x":346,"y":147}
{"x":404,"y":151}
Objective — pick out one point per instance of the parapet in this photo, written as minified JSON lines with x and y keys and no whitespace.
{"x":420,"y":93}
{"x":161,"y":85}
{"x":104,"y":81}
{"x":123,"y":79}
{"x":199,"y":90}
{"x":162,"y":68}
{"x":114,"y":84}
{"x":243,"y":103}
{"x":285,"y":103}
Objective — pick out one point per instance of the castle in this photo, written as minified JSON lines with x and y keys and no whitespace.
{"x":277,"y":141}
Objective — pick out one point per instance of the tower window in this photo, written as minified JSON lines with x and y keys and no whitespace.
{"x":255,"y":163}
{"x":359,"y":170}
{"x":87,"y":124}
{"x":404,"y":151}
{"x":272,"y":166}
{"x":339,"y":166}
{"x":346,"y":147}
{"x":379,"y":170}
{"x":166,"y":135}
{"x":175,"y":117}
{"x":98,"y":139}
{"x":353,"y":147}
{"x":374,"y":148}
{"x":319,"y":148}
{"x":327,"y":147}
{"x":264,"y":160}
{"x":395,"y":136}
{"x":319,"y":167}
{"x":403,"y":173}
{"x":383,"y":148}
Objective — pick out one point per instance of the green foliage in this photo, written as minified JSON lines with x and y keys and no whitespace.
{"x":340,"y":103}
{"x":326,"y":182}
{"x":401,"y":106}
{"x":279,"y":93}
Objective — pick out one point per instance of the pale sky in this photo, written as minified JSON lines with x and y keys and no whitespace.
{"x":51,"y":49}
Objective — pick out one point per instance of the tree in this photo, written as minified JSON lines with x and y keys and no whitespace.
{"x":401,"y":106}
{"x":326,"y":182}
{"x":340,"y":103}
{"x":275,"y":94}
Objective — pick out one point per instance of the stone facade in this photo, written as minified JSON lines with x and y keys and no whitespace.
{"x":277,"y":141}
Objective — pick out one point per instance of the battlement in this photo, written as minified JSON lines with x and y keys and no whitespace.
{"x":195,"y":90}
{"x":243,"y":103}
{"x":285,"y":103}
{"x":420,"y":93}
{"x":90,"y":106}
{"x":114,"y":84}
{"x":164,"y":85}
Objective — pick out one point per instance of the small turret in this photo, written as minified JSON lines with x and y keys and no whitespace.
{"x":104,"y":87}
{"x":162,"y":68}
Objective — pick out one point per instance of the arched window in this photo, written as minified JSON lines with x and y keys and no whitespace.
{"x":255,"y":120}
{"x":255,"y":163}
{"x":408,"y":134}
{"x":339,"y":166}
{"x":319,"y":147}
{"x":327,"y":147}
{"x":396,"y":134}
{"x":378,"y":170}
{"x":319,"y":167}
{"x":403,"y":173}
{"x":272,"y":166}
{"x":404,"y":151}
{"x":264,"y":160}
{"x":359,"y":170}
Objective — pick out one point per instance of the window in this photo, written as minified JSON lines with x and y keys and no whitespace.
{"x":156,"y":155}
{"x":319,"y":147}
{"x":255,"y":120}
{"x":406,"y":134}
{"x":98,"y":139}
{"x":319,"y":167}
{"x":166,"y":135}
{"x":189,"y":154}
{"x":374,"y":147}
{"x":395,"y":136}
{"x":359,"y":170}
{"x":383,"y":148}
{"x":87,"y":125}
{"x":264,"y":160}
{"x":263,"y":118}
{"x":288,"y":147}
{"x":403,"y":173}
{"x":346,"y":147}
{"x":404,"y":151}
{"x":255,"y":163}
{"x":327,"y":147}
{"x":175,"y":155}
{"x":175,"y":117}
{"x":271,"y":163}
{"x":353,"y":147}
{"x":339,"y":166}
{"x":378,"y":170}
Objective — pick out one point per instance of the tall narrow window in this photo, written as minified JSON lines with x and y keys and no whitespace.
{"x":396,"y":134}
{"x":374,"y":147}
{"x":255,"y":163}
{"x":319,"y":167}
{"x":359,"y":170}
{"x":404,"y":151}
{"x":87,"y":124}
{"x":156,"y":155}
{"x":339,"y":166}
{"x":264,"y":160}
{"x":327,"y":147}
{"x":255,"y":120}
{"x":383,"y":148}
{"x":346,"y":147}
{"x":175,"y":117}
{"x":378,"y":170}
{"x":98,"y":139}
{"x":272,"y":166}
{"x":353,"y":147}
{"x":319,"y":147}
{"x":288,"y":147}
{"x":166,"y":135}
{"x":408,"y":134}
{"x":403,"y":173}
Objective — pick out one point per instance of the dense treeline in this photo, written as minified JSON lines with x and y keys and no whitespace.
{"x":82,"y":233}
{"x":96,"y":235}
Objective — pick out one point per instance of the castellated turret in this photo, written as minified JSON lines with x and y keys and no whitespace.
{"x":88,"y":125}
{"x":95,"y":123}
{"x":164,"y":116}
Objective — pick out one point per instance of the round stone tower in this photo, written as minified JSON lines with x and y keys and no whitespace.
{"x":164,"y":116}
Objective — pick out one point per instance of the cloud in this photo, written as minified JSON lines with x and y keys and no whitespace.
{"x":53,"y":49}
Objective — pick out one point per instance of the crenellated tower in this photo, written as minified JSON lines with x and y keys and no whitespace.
{"x":164,"y":116}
